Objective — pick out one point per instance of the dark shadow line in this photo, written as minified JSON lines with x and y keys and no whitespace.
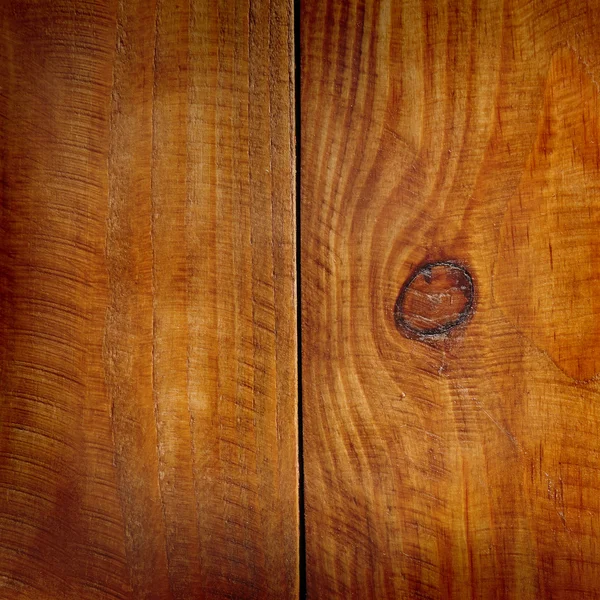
{"x":298,"y":189}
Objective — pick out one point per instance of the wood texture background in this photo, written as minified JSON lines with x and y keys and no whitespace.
{"x":467,"y":466}
{"x":148,"y":413}
{"x":148,"y":365}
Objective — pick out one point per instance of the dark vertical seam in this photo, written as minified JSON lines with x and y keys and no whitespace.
{"x":298,"y":192}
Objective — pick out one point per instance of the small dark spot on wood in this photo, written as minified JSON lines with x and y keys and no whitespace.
{"x":437,"y":297}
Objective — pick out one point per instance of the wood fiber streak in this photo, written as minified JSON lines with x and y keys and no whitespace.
{"x":467,"y":466}
{"x":148,"y":363}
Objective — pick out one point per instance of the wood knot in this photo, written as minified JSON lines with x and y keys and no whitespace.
{"x":437,"y":297}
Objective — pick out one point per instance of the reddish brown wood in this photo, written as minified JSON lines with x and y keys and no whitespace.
{"x":148,"y":412}
{"x":465,"y":466}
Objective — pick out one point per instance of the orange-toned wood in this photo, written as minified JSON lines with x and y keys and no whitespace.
{"x":148,"y":437}
{"x":461,"y":461}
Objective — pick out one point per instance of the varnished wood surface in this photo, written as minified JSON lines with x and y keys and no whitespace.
{"x":465,"y":465}
{"x":148,"y":437}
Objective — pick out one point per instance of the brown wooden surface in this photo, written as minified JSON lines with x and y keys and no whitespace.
{"x":465,"y":464}
{"x":148,"y":438}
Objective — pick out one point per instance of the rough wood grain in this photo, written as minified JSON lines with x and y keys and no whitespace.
{"x":148,"y":438}
{"x":466,"y":466}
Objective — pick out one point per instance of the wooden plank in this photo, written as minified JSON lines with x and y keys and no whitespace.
{"x":148,"y":430}
{"x":451,"y":428}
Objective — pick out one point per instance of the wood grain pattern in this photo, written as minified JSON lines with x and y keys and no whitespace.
{"x":148,"y":430}
{"x":468,"y":466}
